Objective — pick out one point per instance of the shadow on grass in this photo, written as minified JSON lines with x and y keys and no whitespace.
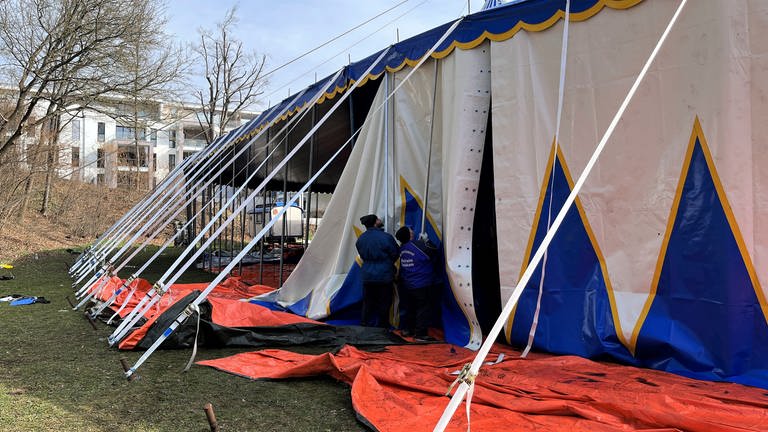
{"x":58,"y":374}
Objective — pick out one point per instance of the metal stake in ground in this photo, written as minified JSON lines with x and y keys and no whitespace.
{"x":124,"y":364}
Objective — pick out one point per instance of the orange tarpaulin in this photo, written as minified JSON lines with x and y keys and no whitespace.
{"x":403,"y":388}
{"x":227,"y":308}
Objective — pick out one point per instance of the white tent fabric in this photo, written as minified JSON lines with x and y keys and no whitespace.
{"x":461,"y":112}
{"x":603,"y":60}
{"x":325,"y":264}
{"x":712,"y":68}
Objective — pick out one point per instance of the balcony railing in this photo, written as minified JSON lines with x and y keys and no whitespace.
{"x":194,"y":143}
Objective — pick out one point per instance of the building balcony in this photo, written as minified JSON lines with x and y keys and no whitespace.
{"x":129,"y":167}
{"x":193,"y":143}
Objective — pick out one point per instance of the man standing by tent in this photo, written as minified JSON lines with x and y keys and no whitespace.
{"x":418,"y":283}
{"x":379,"y":252}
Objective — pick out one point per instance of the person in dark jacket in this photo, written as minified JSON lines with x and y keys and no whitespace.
{"x":379,"y":252}
{"x":417,"y":279}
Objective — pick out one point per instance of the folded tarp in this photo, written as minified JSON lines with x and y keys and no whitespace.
{"x":403,"y":387}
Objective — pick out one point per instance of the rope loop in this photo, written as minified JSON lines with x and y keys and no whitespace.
{"x":465,"y":376}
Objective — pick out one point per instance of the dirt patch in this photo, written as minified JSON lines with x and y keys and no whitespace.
{"x":77,"y":214}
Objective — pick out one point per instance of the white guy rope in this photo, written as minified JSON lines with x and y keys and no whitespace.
{"x":560,"y":93}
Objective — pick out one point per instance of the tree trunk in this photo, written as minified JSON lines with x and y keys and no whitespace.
{"x":25,"y":196}
{"x":52,"y":162}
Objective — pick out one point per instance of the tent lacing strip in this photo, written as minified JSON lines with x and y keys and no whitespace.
{"x":560,"y":93}
{"x":494,"y":333}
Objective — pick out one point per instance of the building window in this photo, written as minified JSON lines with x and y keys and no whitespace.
{"x":128,"y":133}
{"x":75,"y":156}
{"x":154,"y":161}
{"x":99,"y":158}
{"x":101,"y":132}
{"x":127,"y":156}
{"x":76,"y":130}
{"x":171,"y":162}
{"x":188,"y":154}
{"x":153,"y":136}
{"x":172,"y":139}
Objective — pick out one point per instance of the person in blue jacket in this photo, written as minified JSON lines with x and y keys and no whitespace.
{"x":379,"y":252}
{"x":417,"y":279}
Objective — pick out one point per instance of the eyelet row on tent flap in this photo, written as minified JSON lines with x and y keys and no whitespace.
{"x":472,"y":137}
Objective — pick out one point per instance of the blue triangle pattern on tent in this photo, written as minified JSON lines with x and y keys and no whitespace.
{"x":576,"y":315}
{"x":346,"y":305}
{"x":705,"y":320}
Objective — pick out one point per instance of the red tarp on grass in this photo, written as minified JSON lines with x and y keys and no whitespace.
{"x":402,"y":388}
{"x":227,"y":308}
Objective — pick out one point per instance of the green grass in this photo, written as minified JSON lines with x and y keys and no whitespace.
{"x":58,"y":374}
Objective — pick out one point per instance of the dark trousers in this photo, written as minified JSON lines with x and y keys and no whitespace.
{"x":377,"y":300}
{"x":417,"y":310}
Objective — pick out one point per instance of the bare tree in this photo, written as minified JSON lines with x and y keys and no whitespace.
{"x":233,"y":76}
{"x":63,"y":56}
{"x":65,"y":53}
{"x":157,"y":69}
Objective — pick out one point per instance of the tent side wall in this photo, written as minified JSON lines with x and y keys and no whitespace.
{"x":659,"y":263}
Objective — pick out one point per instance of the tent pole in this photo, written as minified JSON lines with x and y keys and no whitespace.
{"x":263,"y":222}
{"x":154,"y":215}
{"x":160,"y":286}
{"x":244,"y":217}
{"x":312,"y":150}
{"x":284,"y":223}
{"x":238,"y":200}
{"x":429,"y":157}
{"x":386,"y":149}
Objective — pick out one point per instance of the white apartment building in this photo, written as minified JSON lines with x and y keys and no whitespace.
{"x":100,"y":148}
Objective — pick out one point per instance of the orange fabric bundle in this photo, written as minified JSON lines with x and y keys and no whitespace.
{"x":403,"y":388}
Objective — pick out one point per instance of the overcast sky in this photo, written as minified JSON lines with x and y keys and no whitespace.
{"x":284,"y":30}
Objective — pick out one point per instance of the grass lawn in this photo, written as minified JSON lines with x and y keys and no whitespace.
{"x":58,"y":374}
